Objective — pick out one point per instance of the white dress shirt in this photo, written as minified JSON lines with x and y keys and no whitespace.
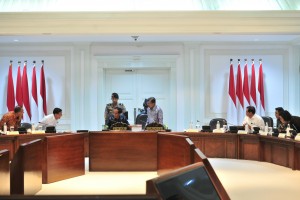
{"x":48,"y":120}
{"x":254,"y":121}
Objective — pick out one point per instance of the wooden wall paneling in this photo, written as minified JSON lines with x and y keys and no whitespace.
{"x":297,"y":155}
{"x":249,"y":147}
{"x":173,"y":151}
{"x":232,"y":147}
{"x":278,"y":151}
{"x":64,"y":157}
{"x":4,"y":173}
{"x":86,"y":144}
{"x":8,"y":142}
{"x":123,"y":151}
{"x":26,"y":169}
{"x":215,"y":145}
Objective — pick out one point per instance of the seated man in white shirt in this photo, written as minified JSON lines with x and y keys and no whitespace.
{"x":52,"y":119}
{"x":253,"y":120}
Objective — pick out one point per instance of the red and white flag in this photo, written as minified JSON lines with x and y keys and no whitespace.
{"x":246,"y":87}
{"x":25,"y":92}
{"x":19,"y":95}
{"x":253,"y":100}
{"x":43,"y":92}
{"x":10,"y":100}
{"x":261,"y":103}
{"x":34,"y":97}
{"x":231,"y":109}
{"x":239,"y":95}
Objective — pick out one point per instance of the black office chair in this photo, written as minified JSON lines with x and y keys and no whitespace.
{"x":142,"y":119}
{"x":126,"y":114}
{"x":213,"y":123}
{"x":269,"y":120}
{"x":26,"y":125}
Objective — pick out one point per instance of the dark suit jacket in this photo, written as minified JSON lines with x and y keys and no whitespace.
{"x":295,"y":123}
{"x":112,"y":120}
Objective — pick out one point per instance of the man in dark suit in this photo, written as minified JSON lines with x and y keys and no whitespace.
{"x":116,"y":117}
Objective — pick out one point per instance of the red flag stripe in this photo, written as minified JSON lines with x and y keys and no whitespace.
{"x":239,"y":86}
{"x":253,"y":84}
{"x":261,"y":86}
{"x":10,"y":101}
{"x":25,"y":91}
{"x":246,"y":84}
{"x":19,"y":97}
{"x":232,"y":86}
{"x":43,"y":90}
{"x":34,"y":86}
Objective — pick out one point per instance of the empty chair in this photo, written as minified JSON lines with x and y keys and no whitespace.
{"x":126,"y":114}
{"x":141,"y":119}
{"x":26,"y":125}
{"x":213,"y":123}
{"x":269,"y":120}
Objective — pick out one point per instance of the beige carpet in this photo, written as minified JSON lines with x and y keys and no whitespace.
{"x":242,"y":180}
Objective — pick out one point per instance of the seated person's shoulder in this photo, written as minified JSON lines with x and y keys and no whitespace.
{"x":109,"y":104}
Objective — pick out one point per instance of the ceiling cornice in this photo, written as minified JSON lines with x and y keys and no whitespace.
{"x":191,"y":22}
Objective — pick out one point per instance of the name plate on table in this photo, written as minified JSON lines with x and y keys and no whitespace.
{"x":192,"y":130}
{"x":154,"y":128}
{"x":12,"y":133}
{"x":242,"y":132}
{"x":38,"y":132}
{"x":263,"y":133}
{"x":281,"y":135}
{"x":119,"y":128}
{"x":218,"y":131}
{"x":297,"y":138}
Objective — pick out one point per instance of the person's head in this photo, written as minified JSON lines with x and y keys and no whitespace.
{"x":117,"y":112}
{"x":277,"y":111}
{"x":285,"y":116}
{"x":114,"y":98}
{"x":57,"y":112}
{"x":250,"y":111}
{"x":151,"y":102}
{"x":18,"y":110}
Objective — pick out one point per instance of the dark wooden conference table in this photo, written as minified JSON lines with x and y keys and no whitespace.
{"x":280,"y":151}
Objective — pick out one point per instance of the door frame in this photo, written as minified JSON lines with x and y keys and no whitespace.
{"x":136,"y":62}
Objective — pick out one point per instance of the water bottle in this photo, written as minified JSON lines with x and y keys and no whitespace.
{"x":191,"y":125}
{"x":288,"y":131}
{"x":247,"y":128}
{"x":218,"y":125}
{"x":32,"y":127}
{"x":5,"y":128}
{"x":266,"y":127}
{"x":198,"y":125}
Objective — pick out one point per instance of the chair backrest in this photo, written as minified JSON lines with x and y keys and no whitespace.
{"x":142,"y":119}
{"x":26,"y":125}
{"x":213,"y":123}
{"x":269,"y":120}
{"x":126,"y":114}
